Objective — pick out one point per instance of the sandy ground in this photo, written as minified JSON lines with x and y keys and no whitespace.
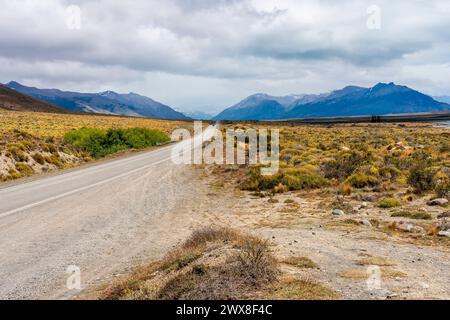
{"x":305,"y":229}
{"x":140,"y":217}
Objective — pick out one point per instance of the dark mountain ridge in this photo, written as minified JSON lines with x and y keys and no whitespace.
{"x":381,"y":99}
{"x":107,"y":102}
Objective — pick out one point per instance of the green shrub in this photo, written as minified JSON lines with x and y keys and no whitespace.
{"x":99,"y":142}
{"x":390,"y":172}
{"x":24,"y":169}
{"x":303,"y":181}
{"x":389,"y":203}
{"x":442,"y":184}
{"x":358,"y":180}
{"x":442,"y":190}
{"x":344,"y":164}
{"x":421,"y":178}
{"x":49,"y":147}
{"x":413,"y":215}
{"x":291,"y":179}
{"x":13,"y":173}
{"x":54,"y":159}
{"x":17,"y":154}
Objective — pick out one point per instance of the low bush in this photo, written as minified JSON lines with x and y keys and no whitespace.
{"x":344,"y":164}
{"x":16,"y":153}
{"x":389,"y":203}
{"x":421,"y":178}
{"x":24,"y":169}
{"x":214,"y":263}
{"x":39,"y":158}
{"x":13,"y":173}
{"x":346,"y":189}
{"x":420,"y":215}
{"x":54,"y":159}
{"x":421,"y":174}
{"x":358,"y":180}
{"x":100,"y":142}
{"x":289,"y":179}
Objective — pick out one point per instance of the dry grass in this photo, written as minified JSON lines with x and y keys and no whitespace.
{"x":32,"y":142}
{"x":375,"y":261}
{"x":359,"y":274}
{"x":56,"y":125}
{"x":354,"y":158}
{"x":301,"y":262}
{"x":295,"y":289}
{"x":419,"y":215}
{"x":214,"y":263}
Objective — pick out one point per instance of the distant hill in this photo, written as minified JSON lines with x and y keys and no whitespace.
{"x":258,"y":107}
{"x":13,"y":100}
{"x":383,"y":98}
{"x":198,"y":115}
{"x":378,"y":100}
{"x":107,"y":102}
{"x":445,"y":99}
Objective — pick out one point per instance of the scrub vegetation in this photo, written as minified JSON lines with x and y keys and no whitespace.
{"x":34,"y":143}
{"x":348,"y":158}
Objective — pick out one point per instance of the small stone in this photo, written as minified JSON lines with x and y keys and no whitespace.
{"x":409,"y":227}
{"x":337,"y":212}
{"x":438,"y":202}
{"x":366,"y":223}
{"x":444,"y":233}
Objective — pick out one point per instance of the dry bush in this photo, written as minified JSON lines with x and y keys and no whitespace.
{"x":211,"y":234}
{"x":214,"y":263}
{"x":255,"y":262}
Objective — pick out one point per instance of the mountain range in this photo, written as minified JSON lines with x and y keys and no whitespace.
{"x":108,"y":102}
{"x":16,"y":101}
{"x":383,"y":98}
{"x":199,"y":115}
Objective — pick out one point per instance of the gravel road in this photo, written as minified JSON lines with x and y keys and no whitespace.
{"x":103,"y":219}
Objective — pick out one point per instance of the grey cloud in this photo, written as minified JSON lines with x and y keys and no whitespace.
{"x":280,"y":46}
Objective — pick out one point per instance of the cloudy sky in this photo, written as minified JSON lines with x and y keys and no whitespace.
{"x":206,"y":54}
